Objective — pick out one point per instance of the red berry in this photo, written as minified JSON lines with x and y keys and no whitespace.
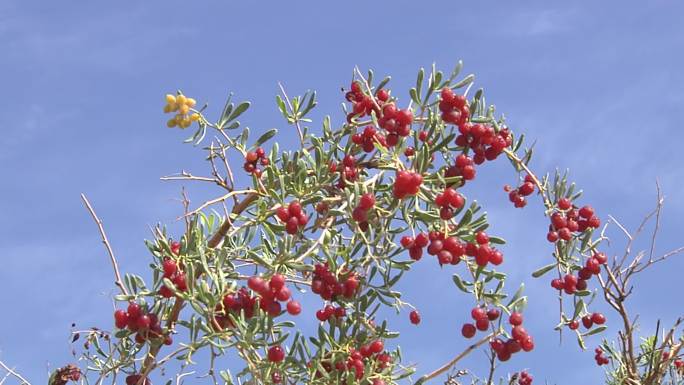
{"x":292,"y":225}
{"x":478,"y":313}
{"x":294,"y":208}
{"x":573,"y":325}
{"x":586,"y":212}
{"x":598,"y":318}
{"x":134,"y":310}
{"x":169,"y":266}
{"x":493,"y":314}
{"x":587,"y":322}
{"x":564,"y":203}
{"x":367,"y":201}
{"x":282,"y":213}
{"x":406,"y":241}
{"x":481,"y":238}
{"x":120,"y":318}
{"x":415,"y":253}
{"x":276,"y":354}
{"x":377,"y":346}
{"x":515,"y":319}
{"x":256,"y":283}
{"x":414,"y":317}
{"x":277,"y":282}
{"x":482,"y":324}
{"x":468,"y":330}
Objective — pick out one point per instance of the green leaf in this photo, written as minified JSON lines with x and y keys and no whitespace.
{"x":460,"y":284}
{"x":543,"y":270}
{"x":242,"y":107}
{"x":266,"y":136}
{"x":595,"y":331}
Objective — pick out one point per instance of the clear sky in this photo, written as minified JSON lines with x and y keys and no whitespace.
{"x":598,"y":85}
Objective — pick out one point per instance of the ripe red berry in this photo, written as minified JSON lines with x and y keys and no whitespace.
{"x":294,"y":307}
{"x":478,"y":313}
{"x":406,"y":241}
{"x":468,"y":330}
{"x":552,"y":236}
{"x":134,"y":310}
{"x":598,"y":318}
{"x":414,"y":317}
{"x":573,"y":325}
{"x":482,"y":324}
{"x":415,"y":253}
{"x":169,"y":266}
{"x":120,"y":318}
{"x":481,"y":238}
{"x":586,"y":212}
{"x":277,"y":282}
{"x":493,"y":314}
{"x":282,"y":213}
{"x":256,"y":283}
{"x":564,"y":203}
{"x":367,"y":201}
{"x":515,"y":319}
{"x":292,"y":225}
{"x":377,"y":346}
{"x":587,"y":322}
{"x":294,"y":208}
{"x":276,"y":354}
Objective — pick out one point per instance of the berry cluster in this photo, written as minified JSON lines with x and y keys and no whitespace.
{"x":254,"y":157}
{"x":397,"y":122}
{"x":362,"y":104}
{"x":482,"y":318}
{"x":329,"y":311}
{"x":293,"y":216}
{"x":136,"y":319}
{"x":173,"y":273}
{"x":524,"y":378}
{"x":234,"y":304}
{"x":329,"y":287}
{"x":360,"y":212}
{"x":600,"y":358}
{"x":463,"y":167}
{"x":347,"y":169}
{"x":407,"y":183}
{"x":520,"y":340}
{"x":448,"y":201}
{"x":571,"y":283}
{"x":181,"y":105}
{"x":517,"y":195}
{"x":486,"y":143}
{"x":357,"y":360}
{"x":568,"y":220}
{"x":454,"y":107}
{"x":271,"y":292}
{"x":368,"y":138}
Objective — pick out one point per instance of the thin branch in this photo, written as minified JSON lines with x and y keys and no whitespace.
{"x":217,"y":200}
{"x":15,"y":374}
{"x":455,"y":360}
{"x":105,"y":240}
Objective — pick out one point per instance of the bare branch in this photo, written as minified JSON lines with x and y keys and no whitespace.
{"x":11,"y":371}
{"x":105,"y":240}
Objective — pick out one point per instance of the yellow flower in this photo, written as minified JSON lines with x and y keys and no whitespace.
{"x":191,"y":102}
{"x":168,"y":108}
{"x":170,"y":99}
{"x":181,"y":99}
{"x":171,"y":123}
{"x":194,"y":117}
{"x":184,"y":109}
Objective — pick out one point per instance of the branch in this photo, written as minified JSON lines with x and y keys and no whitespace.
{"x":453,"y":362}
{"x":115,"y":265}
{"x":15,"y":374}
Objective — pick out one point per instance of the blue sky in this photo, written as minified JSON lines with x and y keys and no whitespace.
{"x":598,"y":85}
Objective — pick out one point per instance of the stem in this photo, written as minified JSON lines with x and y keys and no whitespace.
{"x":105,"y":240}
{"x":294,"y":117}
{"x":453,"y":362}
